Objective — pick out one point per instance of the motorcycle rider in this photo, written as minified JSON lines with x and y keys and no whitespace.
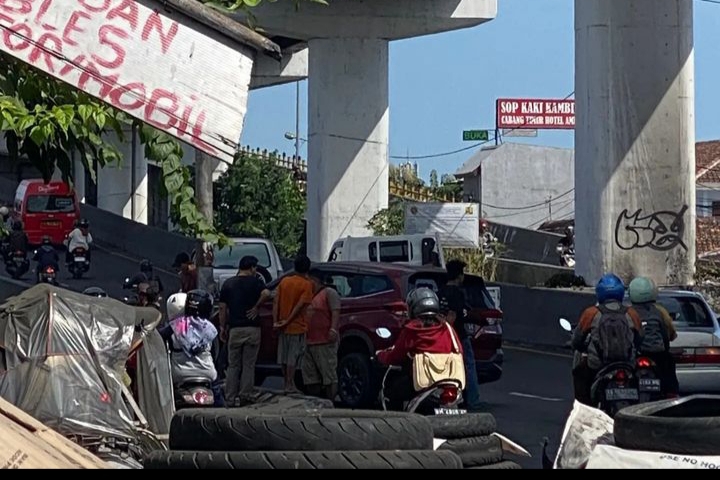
{"x":46,"y":256}
{"x":608,"y":332}
{"x":189,"y":335}
{"x":658,"y":332}
{"x":18,"y":239}
{"x":145,"y":275}
{"x":80,"y":237}
{"x":6,"y":218}
{"x":425,"y":332}
{"x":147,"y":296}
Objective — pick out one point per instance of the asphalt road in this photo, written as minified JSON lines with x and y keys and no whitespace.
{"x":108,"y":270}
{"x":531,"y":401}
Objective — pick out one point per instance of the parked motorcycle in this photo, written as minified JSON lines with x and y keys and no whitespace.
{"x":79,"y":263}
{"x":48,"y":275}
{"x":622,"y":384}
{"x":567,"y":255}
{"x":17,"y":264}
{"x":441,"y":398}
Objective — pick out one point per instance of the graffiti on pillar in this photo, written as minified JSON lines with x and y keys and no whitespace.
{"x":661,"y":231}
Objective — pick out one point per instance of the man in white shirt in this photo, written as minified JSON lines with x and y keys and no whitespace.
{"x":80,"y":237}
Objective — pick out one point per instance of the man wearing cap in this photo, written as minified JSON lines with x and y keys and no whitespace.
{"x":240,"y":298}
{"x":188,"y":272}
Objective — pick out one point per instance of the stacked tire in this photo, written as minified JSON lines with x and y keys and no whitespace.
{"x":316,"y":439}
{"x":470,"y":436}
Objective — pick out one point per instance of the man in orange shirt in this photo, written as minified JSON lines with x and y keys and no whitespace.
{"x":294,"y":294}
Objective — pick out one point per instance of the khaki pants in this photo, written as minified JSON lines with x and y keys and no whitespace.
{"x":243,"y":348}
{"x":320,"y":365}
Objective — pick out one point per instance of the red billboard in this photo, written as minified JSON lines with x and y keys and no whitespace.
{"x":536,"y":114}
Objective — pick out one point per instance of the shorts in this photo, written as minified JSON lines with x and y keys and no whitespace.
{"x":320,"y":365}
{"x":291,"y":349}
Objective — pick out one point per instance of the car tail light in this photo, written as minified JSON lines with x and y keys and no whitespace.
{"x":449,"y":395}
{"x":200,"y":396}
{"x":50,"y":270}
{"x":644,"y":362}
{"x":704,"y":356}
{"x":399,"y":309}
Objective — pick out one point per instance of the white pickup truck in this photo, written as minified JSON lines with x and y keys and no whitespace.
{"x":419,"y":250}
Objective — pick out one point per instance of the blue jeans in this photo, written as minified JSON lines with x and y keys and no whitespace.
{"x":472,"y":386}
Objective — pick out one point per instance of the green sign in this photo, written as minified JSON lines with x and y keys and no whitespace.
{"x":476,"y":136}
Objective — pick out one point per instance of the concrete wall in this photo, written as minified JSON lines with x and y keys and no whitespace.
{"x":531,"y":314}
{"x":527,"y":245}
{"x":531,"y":185}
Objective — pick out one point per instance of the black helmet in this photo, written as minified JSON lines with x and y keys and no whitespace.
{"x":95,"y":292}
{"x":46,"y":240}
{"x":83,"y":224}
{"x":199,"y":303}
{"x":423,"y":302}
{"x":146,"y":266}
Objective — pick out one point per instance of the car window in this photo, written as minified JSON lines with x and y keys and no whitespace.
{"x":50,"y":203}
{"x":371,"y":284}
{"x":398,"y":251}
{"x":687,"y":312}
{"x":350,"y":285}
{"x":229,"y":257}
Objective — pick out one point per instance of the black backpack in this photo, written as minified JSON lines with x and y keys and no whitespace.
{"x":614,"y":336}
{"x":655,"y":335}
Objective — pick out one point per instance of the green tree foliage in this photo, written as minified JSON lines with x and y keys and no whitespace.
{"x":389,"y":221}
{"x":256,"y":197}
{"x":404,"y":175}
{"x":450,"y":187}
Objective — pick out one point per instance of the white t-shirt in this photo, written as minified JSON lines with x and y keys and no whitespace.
{"x":77,"y":239}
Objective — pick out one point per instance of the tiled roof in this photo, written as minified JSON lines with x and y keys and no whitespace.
{"x":707,"y":161}
{"x":707,"y":235}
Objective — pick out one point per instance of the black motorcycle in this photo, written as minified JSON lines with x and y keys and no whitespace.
{"x":79,"y":264}
{"x":194,"y":393}
{"x":17,"y":264}
{"x":48,"y":275}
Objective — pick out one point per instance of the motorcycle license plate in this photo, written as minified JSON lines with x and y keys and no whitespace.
{"x":19,"y":261}
{"x":80,"y":259}
{"x":614,"y":394}
{"x":649,"y":385}
{"x":449,"y":411}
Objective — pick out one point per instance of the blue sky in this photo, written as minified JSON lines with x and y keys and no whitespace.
{"x":443,"y":84}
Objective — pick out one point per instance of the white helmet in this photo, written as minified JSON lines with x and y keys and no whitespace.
{"x":176,"y":305}
{"x":4,"y":211}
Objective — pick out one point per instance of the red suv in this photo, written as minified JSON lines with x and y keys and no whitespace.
{"x":373,"y":296}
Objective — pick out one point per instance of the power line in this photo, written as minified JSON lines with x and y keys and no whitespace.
{"x":465,"y":149}
{"x":527,"y":207}
{"x":717,"y":2}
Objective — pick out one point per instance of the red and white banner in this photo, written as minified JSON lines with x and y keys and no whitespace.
{"x":158,"y":66}
{"x":536,"y":114}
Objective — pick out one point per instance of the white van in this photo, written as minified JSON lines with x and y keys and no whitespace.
{"x":407,"y":249}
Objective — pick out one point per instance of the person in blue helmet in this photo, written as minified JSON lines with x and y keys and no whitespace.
{"x":607,"y":332}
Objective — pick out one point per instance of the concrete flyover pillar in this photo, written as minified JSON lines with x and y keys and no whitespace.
{"x":115,"y":183}
{"x":634,"y":139}
{"x":348,"y":130}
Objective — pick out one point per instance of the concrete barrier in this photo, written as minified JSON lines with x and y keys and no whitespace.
{"x":527,"y":245}
{"x":531,"y":314}
{"x":526,"y":273}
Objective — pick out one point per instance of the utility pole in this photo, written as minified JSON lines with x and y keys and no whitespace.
{"x":550,"y":198}
{"x":205,"y":165}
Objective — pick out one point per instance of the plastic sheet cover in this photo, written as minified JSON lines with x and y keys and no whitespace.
{"x":64,"y":354}
{"x":155,"y":384}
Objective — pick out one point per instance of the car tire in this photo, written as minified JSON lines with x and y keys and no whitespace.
{"x":689,"y":426}
{"x":348,"y":460}
{"x":356,"y":384}
{"x":506,"y":465}
{"x":462,"y":426}
{"x":476,"y":451}
{"x":312,"y":430}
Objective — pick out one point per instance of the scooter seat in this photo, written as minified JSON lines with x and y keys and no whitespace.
{"x":195,"y":382}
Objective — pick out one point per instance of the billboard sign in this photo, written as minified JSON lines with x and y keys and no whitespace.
{"x":154,"y":64}
{"x":535,"y":114}
{"x":457,"y":224}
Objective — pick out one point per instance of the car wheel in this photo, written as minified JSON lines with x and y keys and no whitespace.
{"x":355,"y":381}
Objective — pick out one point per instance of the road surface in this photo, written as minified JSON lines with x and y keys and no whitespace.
{"x":532,"y":400}
{"x":108,"y":270}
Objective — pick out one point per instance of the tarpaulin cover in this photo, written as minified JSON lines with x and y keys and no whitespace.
{"x":155,"y":384}
{"x":585,"y":428}
{"x":64,"y":354}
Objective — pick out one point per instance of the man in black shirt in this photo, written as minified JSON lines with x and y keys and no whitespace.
{"x":454,"y":306}
{"x":240,"y":298}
